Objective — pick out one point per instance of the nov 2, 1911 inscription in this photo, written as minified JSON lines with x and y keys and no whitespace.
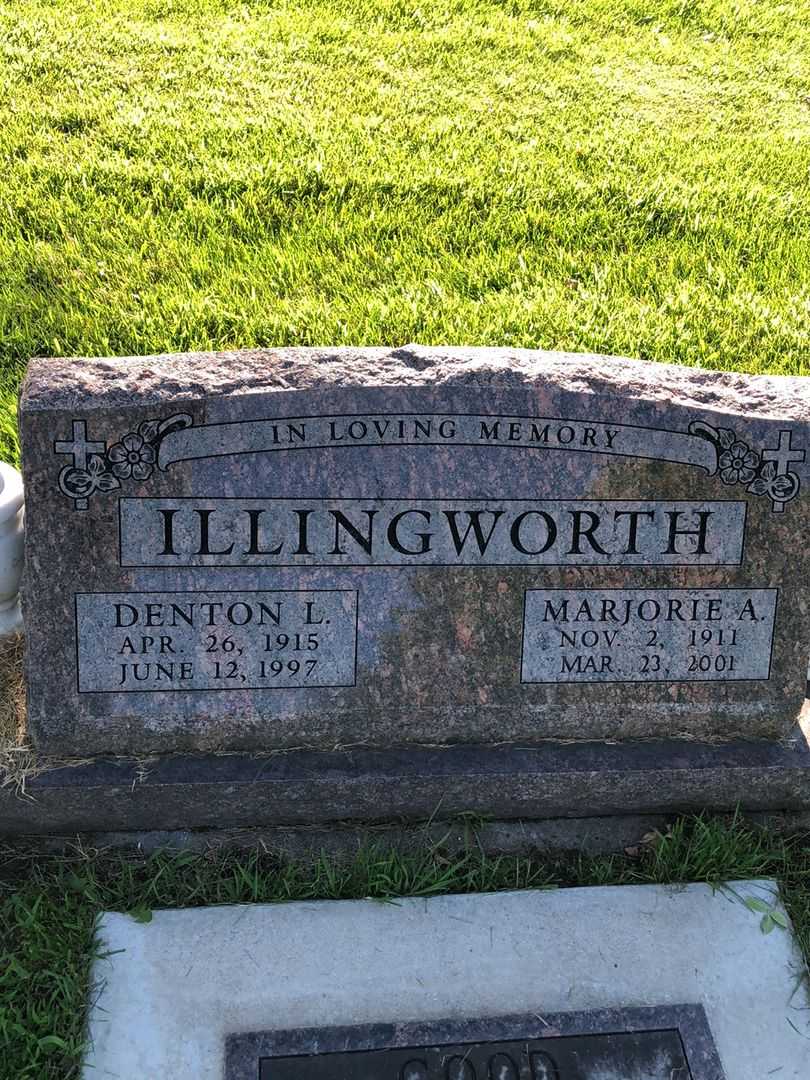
{"x":419,"y":546}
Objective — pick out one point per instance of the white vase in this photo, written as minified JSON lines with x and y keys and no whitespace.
{"x":11,"y":549}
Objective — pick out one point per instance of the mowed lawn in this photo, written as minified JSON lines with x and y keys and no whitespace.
{"x":631,"y":176}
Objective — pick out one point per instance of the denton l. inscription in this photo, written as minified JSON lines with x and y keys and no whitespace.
{"x":647,"y":635}
{"x":438,"y":532}
{"x":180,"y":641}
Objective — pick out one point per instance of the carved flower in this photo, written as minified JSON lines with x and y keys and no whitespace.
{"x":738,"y":464}
{"x":780,"y":488}
{"x":133,"y":456}
{"x":784,"y":487}
{"x":80,"y":483}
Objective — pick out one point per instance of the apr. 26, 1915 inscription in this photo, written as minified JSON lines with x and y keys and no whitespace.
{"x":436,"y":558}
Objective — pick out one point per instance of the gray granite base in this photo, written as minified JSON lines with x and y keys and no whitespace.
{"x":307,"y":788}
{"x":454,"y":837}
{"x":342,"y":842}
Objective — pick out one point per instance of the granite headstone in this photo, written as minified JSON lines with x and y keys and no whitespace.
{"x":415,"y":547}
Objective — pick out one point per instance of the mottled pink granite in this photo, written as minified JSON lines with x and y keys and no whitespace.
{"x":420,"y":546}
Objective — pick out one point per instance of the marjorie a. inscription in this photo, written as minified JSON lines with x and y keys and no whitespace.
{"x":97,"y":467}
{"x":647,"y":635}
{"x":166,"y":641}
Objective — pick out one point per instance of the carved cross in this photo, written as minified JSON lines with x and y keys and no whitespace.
{"x":79,"y":449}
{"x":783,"y":455}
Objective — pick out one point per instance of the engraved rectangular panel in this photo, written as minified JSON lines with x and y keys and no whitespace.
{"x":440,"y":532}
{"x":140,"y":642}
{"x":657,"y":1043}
{"x":654,"y":1055}
{"x":647,"y":635}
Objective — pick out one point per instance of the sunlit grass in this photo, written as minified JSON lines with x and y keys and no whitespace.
{"x":589,"y":174}
{"x":603,"y":175}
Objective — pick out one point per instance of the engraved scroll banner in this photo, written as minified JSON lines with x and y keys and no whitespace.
{"x":440,"y":429}
{"x":158,"y":443}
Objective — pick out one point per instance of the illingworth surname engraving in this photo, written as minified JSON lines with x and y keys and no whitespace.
{"x":439,"y":532}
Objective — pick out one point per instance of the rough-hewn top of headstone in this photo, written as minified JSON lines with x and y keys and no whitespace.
{"x":108,"y":382}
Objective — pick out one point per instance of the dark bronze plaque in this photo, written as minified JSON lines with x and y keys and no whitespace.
{"x":671,"y":1042}
{"x":651,"y":1055}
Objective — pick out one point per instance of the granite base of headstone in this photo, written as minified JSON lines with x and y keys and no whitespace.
{"x":320,"y":585}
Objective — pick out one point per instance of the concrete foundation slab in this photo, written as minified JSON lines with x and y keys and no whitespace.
{"x":169,"y":992}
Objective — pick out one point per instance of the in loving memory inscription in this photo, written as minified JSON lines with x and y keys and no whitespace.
{"x":175,"y":641}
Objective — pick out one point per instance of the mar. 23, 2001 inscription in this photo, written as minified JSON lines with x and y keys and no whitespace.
{"x":647,"y":635}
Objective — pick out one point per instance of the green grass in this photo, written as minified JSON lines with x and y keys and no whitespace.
{"x":608,"y":175}
{"x":48,"y":904}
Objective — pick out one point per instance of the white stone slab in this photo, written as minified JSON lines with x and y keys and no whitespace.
{"x":173,"y":988}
